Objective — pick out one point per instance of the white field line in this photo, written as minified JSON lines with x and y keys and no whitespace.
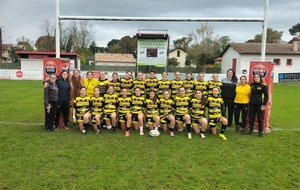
{"x":20,"y":123}
{"x":38,"y":124}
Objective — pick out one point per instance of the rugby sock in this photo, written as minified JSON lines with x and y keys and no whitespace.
{"x":85,"y":126}
{"x":113,"y":127}
{"x":155,"y":128}
{"x":171,"y":129}
{"x":127,"y":128}
{"x":223,"y":128}
{"x":98,"y":126}
{"x":201,"y":131}
{"x":141,"y":128}
{"x":188,"y":127}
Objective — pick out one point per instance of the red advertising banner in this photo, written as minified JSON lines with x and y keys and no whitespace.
{"x":266,"y":70}
{"x":55,"y":65}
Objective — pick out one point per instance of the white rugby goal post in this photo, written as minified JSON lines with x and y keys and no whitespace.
{"x":264,"y":21}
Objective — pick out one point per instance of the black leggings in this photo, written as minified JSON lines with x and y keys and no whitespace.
{"x":63,"y":107}
{"x":253,"y":111}
{"x":238,"y":108}
{"x":49,"y":119}
{"x":229,"y":105}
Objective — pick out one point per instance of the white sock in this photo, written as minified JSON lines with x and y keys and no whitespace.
{"x":155,"y":128}
{"x":141,"y":128}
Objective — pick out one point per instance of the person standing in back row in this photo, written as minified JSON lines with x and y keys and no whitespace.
{"x":228,"y":94}
{"x":50,"y":102}
{"x":258,"y":100}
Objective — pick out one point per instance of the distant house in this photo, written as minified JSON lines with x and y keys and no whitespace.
{"x":114,"y":59}
{"x":33,"y":60}
{"x":5,"y":55}
{"x":286,"y":57}
{"x":179,"y":54}
{"x":218,"y":60}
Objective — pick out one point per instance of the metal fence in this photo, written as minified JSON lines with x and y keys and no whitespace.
{"x":146,"y":69}
{"x":10,"y":65}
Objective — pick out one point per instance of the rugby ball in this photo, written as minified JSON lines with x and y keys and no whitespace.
{"x":154,"y":133}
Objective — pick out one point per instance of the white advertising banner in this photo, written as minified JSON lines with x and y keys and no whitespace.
{"x":152,"y":52}
{"x":26,"y":75}
{"x":4,"y":74}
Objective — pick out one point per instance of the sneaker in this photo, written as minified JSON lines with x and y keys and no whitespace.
{"x":189,"y":135}
{"x":261,"y":135}
{"x":56,"y":128}
{"x":49,"y":130}
{"x":127,"y":134}
{"x":202,"y":135}
{"x":141,"y":133}
{"x":228,"y":128}
{"x":83,"y":132}
{"x":113,"y":131}
{"x":171,"y":133}
{"x":237,"y":129}
{"x":250,"y":133}
{"x":97,"y":132}
{"x":66,"y":128}
{"x":222,"y":136}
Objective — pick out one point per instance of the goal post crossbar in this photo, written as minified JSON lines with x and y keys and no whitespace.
{"x":162,"y":19}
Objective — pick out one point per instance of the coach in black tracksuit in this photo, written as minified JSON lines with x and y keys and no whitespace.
{"x":228,"y":93}
{"x":258,"y":101}
{"x":50,"y":102}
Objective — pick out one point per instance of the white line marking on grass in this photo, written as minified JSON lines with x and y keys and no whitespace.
{"x":20,"y":123}
{"x":281,"y":129}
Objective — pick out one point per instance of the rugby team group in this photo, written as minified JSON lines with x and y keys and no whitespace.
{"x":163,"y":105}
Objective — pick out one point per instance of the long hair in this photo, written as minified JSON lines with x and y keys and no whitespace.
{"x":203,"y":98}
{"x":234,"y":78}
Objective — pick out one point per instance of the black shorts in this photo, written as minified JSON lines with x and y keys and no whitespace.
{"x":106,"y":116}
{"x":164,"y":119}
{"x":94,"y":119}
{"x":122,"y":117}
{"x":179,"y":118}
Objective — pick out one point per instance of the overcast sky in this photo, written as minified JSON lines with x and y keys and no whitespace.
{"x":22,"y":18}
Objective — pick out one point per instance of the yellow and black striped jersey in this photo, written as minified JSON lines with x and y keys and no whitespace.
{"x":215,"y":107}
{"x":103,"y":86}
{"x":139,"y":84}
{"x":127,"y":83}
{"x":116,"y":85}
{"x":96,"y":105}
{"x":189,"y":87}
{"x":138,"y":104}
{"x":110,"y":103}
{"x":174,"y":85}
{"x":151,"y":84}
{"x":211,"y":85}
{"x":165,"y":106}
{"x":163,"y":85}
{"x":124,"y":104}
{"x":152,"y":107}
{"x":82,"y":105}
{"x":181,"y":105}
{"x":201,"y":85}
{"x":198,"y":109}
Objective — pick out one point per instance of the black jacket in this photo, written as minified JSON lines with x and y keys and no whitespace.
{"x":259,"y":94}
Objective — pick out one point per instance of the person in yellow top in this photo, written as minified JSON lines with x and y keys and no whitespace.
{"x":241,"y":101}
{"x":90,"y":82}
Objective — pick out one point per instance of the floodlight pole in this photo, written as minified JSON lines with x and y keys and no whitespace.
{"x":264,"y":32}
{"x":57,"y":31}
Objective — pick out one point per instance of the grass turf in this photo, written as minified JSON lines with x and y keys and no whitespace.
{"x":33,"y":159}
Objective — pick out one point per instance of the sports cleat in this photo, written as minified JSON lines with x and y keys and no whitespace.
{"x":250,"y":133}
{"x":56,"y":128}
{"x":237,"y":129}
{"x":127,"y":133}
{"x":83,"y":132}
{"x":202,"y":135}
{"x":66,"y":128}
{"x":222,"y":136}
{"x":189,"y":135}
{"x":113,"y":131}
{"x":97,"y":132}
{"x":261,"y":135}
{"x":141,"y":133}
{"x":171,"y":133}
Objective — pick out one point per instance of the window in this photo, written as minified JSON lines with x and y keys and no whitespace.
{"x":289,"y":62}
{"x":178,"y":53}
{"x":276,"y":61}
